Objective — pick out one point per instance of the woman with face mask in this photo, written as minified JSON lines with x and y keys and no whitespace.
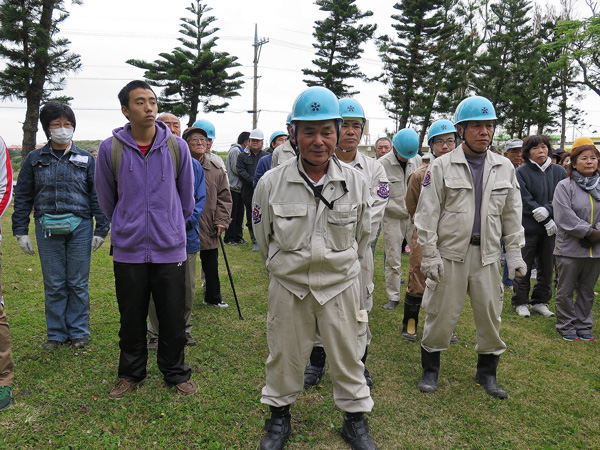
{"x":57,"y":182}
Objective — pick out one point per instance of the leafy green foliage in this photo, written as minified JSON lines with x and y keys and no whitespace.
{"x":37,"y":59}
{"x":339,"y":43}
{"x":194,"y":75}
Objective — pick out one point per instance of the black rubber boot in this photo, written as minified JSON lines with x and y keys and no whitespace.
{"x":355,"y":432}
{"x":412,"y":305}
{"x":316,"y":367}
{"x":278,"y":428}
{"x":486,"y":375}
{"x":431,"y":370}
{"x":367,"y":373}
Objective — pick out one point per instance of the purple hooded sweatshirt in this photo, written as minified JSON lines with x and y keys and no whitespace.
{"x":147,"y":208}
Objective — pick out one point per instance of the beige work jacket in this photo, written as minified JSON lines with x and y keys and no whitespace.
{"x":446,"y":209}
{"x":282,"y":153}
{"x":304,"y":244}
{"x":398,"y":178}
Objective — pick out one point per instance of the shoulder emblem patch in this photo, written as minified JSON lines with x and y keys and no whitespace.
{"x":383,"y":191}
{"x":427,"y":179}
{"x":256,"y":214}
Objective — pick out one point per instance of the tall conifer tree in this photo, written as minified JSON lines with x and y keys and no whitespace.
{"x":339,"y":43}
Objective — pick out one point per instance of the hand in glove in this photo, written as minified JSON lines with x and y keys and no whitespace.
{"x":432,"y":266}
{"x":25,"y":244}
{"x":540,"y":214}
{"x":516,"y":265}
{"x":551,"y":227}
{"x":594,"y":236}
{"x":97,"y":242}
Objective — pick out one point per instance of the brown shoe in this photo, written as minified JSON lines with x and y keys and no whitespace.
{"x":186,"y":388}
{"x":122,"y":387}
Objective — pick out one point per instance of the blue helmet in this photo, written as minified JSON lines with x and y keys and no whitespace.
{"x":316,"y":103}
{"x":289,"y":119}
{"x":474,"y":108}
{"x":351,"y":109}
{"x":206,"y":126}
{"x":438,"y":127}
{"x":406,"y":143}
{"x":276,"y":135}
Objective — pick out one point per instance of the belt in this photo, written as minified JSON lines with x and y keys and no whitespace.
{"x":475,"y":240}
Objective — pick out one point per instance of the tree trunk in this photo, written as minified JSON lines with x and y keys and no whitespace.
{"x":35,"y":91}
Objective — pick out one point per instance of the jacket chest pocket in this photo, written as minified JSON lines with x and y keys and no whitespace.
{"x":43,"y":172}
{"x":77,"y":171}
{"x":341,"y":227}
{"x":291,"y":229}
{"x":457,"y":191}
{"x":397,"y":189}
{"x":498,"y":197}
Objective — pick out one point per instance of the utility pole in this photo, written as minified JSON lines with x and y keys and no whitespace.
{"x":257,"y":46}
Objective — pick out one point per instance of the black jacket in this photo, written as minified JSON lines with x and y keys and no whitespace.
{"x":537,"y":189}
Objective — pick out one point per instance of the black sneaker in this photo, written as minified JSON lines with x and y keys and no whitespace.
{"x":51,"y":344}
{"x":80,"y":343}
{"x":190,"y":340}
{"x":242,"y":241}
{"x":153,"y":344}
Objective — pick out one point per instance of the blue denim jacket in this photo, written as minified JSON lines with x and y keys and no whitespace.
{"x":53,"y":185}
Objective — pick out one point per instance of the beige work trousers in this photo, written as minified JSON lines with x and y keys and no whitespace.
{"x":6,"y":361}
{"x":444,"y":302}
{"x":190,"y":295}
{"x":292,"y":325}
{"x":394,"y":232}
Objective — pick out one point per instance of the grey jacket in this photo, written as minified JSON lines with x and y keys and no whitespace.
{"x":235,"y":183}
{"x":573,"y":209}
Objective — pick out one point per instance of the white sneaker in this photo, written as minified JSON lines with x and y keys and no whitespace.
{"x":542,"y":308}
{"x":522,"y":310}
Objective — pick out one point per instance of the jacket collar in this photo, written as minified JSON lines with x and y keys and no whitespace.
{"x":457,"y":156}
{"x":334,"y":171}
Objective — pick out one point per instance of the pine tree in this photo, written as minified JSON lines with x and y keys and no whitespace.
{"x":37,"y":60}
{"x":506,"y":66}
{"x":196,"y":74}
{"x":339,"y":41}
{"x":415,"y":62}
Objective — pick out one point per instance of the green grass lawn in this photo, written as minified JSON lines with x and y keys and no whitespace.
{"x":60,"y":397}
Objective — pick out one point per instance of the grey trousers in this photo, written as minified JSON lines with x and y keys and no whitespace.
{"x":575,"y":274}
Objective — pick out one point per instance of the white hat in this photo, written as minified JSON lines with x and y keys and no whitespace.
{"x":257,"y":134}
{"x":512,"y":143}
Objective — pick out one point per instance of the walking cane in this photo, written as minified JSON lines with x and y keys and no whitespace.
{"x":230,"y":278}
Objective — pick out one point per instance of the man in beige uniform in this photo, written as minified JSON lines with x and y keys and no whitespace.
{"x":287,"y":150}
{"x":312,"y":224}
{"x":396,"y":221}
{"x":353,"y":124}
{"x":441,"y":139}
{"x":470,"y":201}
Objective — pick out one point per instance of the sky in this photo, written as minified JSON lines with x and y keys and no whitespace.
{"x":106,"y":33}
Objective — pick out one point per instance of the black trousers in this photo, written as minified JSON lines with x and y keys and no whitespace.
{"x":539,"y":247}
{"x":210,"y":266}
{"x":235,"y":231}
{"x":247,"y":193}
{"x":166,"y":282}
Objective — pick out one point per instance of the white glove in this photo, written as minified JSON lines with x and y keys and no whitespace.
{"x":515,"y":263}
{"x":97,"y":242}
{"x":432,"y":266}
{"x":551,"y":227}
{"x":540,"y":214}
{"x":0,"y":240}
{"x":25,"y":244}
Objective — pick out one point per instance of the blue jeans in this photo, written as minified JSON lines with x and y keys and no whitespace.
{"x":65,"y":260}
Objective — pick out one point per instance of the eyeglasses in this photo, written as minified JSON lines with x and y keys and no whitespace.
{"x":197,"y":140}
{"x":448,"y":142}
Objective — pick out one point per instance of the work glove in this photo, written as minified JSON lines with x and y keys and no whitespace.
{"x":25,"y":244}
{"x":515,"y":263}
{"x":540,"y":214}
{"x":432,"y":266}
{"x":0,"y":240}
{"x":551,"y":227}
{"x":97,"y":242}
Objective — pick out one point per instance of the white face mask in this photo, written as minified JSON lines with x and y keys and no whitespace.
{"x":61,"y":136}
